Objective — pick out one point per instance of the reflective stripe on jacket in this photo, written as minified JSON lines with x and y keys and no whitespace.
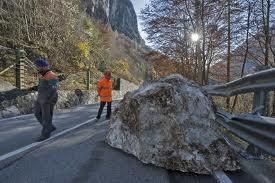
{"x":49,"y":80}
{"x":104,"y":90}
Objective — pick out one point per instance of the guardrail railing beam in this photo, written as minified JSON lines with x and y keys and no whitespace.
{"x":257,"y":132}
{"x":261,"y":81}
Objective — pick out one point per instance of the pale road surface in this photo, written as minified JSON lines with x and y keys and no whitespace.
{"x":81,"y":155}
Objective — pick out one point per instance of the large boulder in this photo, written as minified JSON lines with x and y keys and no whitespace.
{"x":171,"y":123}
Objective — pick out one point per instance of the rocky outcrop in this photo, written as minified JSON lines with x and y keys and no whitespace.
{"x":5,"y":86}
{"x":120,"y":14}
{"x":24,"y":104}
{"x":16,"y":102}
{"x":171,"y":123}
{"x":123,"y":18}
{"x":99,"y":9}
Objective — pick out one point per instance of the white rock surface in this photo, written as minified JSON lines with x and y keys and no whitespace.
{"x":10,"y":112}
{"x":5,"y":86}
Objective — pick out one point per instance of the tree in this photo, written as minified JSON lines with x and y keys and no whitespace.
{"x":57,"y":30}
{"x":170,"y":24}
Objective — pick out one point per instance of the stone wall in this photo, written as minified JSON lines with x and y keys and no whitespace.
{"x":24,"y":104}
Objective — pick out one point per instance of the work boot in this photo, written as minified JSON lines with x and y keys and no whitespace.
{"x":42,"y":138}
{"x":53,"y":128}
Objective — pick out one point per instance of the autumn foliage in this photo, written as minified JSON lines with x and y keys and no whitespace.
{"x":162,"y":65}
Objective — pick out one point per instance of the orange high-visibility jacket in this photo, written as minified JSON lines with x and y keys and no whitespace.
{"x":104,"y":90}
{"x":49,"y":80}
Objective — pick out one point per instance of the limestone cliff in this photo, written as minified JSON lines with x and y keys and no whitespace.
{"x":120,"y":14}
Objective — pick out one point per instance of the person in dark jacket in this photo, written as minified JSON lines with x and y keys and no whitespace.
{"x":46,"y":99}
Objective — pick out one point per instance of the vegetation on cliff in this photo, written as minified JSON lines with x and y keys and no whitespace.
{"x":63,"y":33}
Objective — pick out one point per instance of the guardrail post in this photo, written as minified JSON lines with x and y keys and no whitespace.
{"x":88,"y":79}
{"x":273,"y":104}
{"x":259,"y":101}
{"x":260,"y":98}
{"x":20,"y":69}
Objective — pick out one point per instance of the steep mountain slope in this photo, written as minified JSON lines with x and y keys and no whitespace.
{"x":74,"y":36}
{"x":121,"y":38}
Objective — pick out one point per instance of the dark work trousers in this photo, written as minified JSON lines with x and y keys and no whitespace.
{"x":109,"y":109}
{"x":43,"y":111}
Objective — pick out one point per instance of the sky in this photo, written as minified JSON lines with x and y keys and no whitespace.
{"x":138,"y":5}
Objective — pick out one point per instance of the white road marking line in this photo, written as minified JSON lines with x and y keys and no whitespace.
{"x":38,"y":144}
{"x":18,"y":151}
{"x":102,"y":123}
{"x":35,"y":144}
{"x":264,"y":178}
{"x":221,"y":177}
{"x":15,"y":117}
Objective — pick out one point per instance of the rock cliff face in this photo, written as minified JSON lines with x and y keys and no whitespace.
{"x":171,"y":123}
{"x":99,"y":9}
{"x":120,"y":14}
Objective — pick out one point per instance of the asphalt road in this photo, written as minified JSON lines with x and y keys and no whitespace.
{"x":82,"y":155}
{"x":23,"y":130}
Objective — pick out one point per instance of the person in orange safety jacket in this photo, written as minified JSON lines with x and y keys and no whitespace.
{"x":104,"y":90}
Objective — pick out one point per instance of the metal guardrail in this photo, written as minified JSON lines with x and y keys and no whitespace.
{"x":253,"y":128}
{"x":261,"y":81}
{"x":257,"y":130}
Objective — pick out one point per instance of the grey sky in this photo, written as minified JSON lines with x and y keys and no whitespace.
{"x":138,"y":5}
